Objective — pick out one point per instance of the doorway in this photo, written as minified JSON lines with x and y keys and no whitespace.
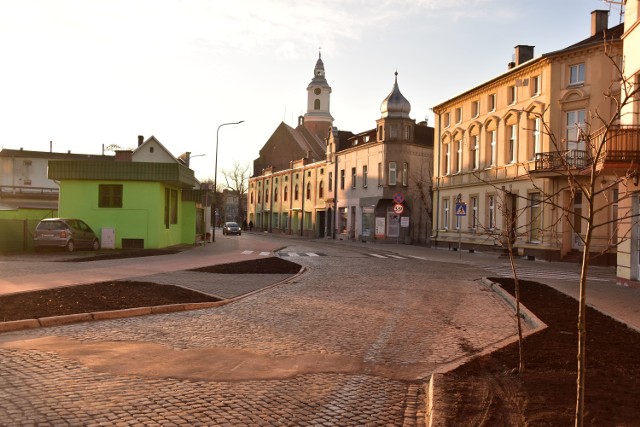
{"x":576,"y":208}
{"x":321,"y":223}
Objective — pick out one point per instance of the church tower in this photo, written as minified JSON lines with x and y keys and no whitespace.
{"x":318,"y":120}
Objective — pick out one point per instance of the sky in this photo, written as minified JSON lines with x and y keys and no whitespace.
{"x":88,"y":74}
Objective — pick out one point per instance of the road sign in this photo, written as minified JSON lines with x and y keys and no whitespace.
{"x":398,"y":208}
{"x":398,"y":198}
{"x":461,"y":209}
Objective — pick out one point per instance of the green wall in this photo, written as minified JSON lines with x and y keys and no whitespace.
{"x":17,"y":227}
{"x":141,"y":215}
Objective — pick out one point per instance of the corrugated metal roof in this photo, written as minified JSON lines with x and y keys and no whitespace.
{"x":169,"y":173}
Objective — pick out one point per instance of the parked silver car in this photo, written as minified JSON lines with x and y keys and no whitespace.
{"x":67,"y":233}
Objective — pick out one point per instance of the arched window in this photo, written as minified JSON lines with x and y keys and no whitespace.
{"x":316,"y":104}
{"x":286,"y":193}
{"x":321,"y":189}
{"x":275,"y":194}
{"x":309,"y":191}
{"x":251,"y":197}
{"x":266,"y":194}
{"x":259,"y":197}
{"x":296,"y":193}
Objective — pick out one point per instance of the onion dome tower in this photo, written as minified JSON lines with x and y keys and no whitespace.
{"x":395,"y":123}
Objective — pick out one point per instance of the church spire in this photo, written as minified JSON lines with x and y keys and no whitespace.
{"x":318,"y":119}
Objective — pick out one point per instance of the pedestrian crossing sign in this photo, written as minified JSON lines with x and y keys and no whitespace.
{"x":461,"y":209}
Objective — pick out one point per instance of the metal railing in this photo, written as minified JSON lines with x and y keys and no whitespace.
{"x":559,"y":160}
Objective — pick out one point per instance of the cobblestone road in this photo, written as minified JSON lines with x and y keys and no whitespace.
{"x":342,"y":345}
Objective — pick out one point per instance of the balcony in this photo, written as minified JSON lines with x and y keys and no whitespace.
{"x":558,"y":161}
{"x":620,"y":148}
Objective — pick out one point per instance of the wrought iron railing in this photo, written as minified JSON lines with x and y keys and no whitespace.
{"x":559,"y":160}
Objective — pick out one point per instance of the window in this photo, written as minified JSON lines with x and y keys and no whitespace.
{"x":251,"y":197}
{"x":379,"y":174}
{"x":330,"y":182}
{"x":275,"y":194}
{"x":459,"y":115}
{"x":296,"y":193}
{"x":392,"y":173}
{"x":170,"y":207}
{"x":447,"y":119}
{"x":308,"y":191}
{"x":492,"y":212}
{"x":407,"y":132}
{"x":445,"y":214}
{"x":458,"y":154}
{"x":342,"y":179}
{"x":316,"y":104}
{"x":405,"y":174}
{"x":267,"y":196}
{"x":447,"y":158}
{"x":511,"y":95}
{"x":575,"y":126}
{"x":353,"y":177}
{"x":475,"y":109}
{"x":512,"y":143}
{"x":474,"y":213}
{"x":576,"y":74}
{"x":535,"y":232}
{"x":380,"y":133}
{"x":535,"y":86}
{"x":491,"y":102}
{"x":475,"y":152}
{"x":393,"y":132}
{"x":285,"y":196}
{"x":321,"y":190}
{"x":110,"y":195}
{"x":493,"y":154}
{"x":364,"y":176}
{"x":535,"y":137}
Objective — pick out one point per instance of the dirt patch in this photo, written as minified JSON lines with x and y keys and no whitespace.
{"x":488,"y":391}
{"x":119,"y":295}
{"x":272,"y":265}
{"x":122,"y":253}
{"x":94,"y":297}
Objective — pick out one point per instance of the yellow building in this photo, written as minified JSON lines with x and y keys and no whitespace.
{"x":502,"y":146}
{"x":627,"y":141}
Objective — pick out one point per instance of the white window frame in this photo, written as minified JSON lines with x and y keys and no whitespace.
{"x":393,"y":178}
{"x":365,"y":174}
{"x":447,"y":159}
{"x":459,"y":156}
{"x":512,"y":143}
{"x":494,"y":147}
{"x":536,"y":136}
{"x":474,"y":212}
{"x":491,"y":103}
{"x":512,"y":95}
{"x":576,"y":74}
{"x":458,"y":115}
{"x":445,"y":214}
{"x":475,"y":108}
{"x":475,"y":152}
{"x":405,"y":174}
{"x":535,"y":85}
{"x":491,"y":206}
{"x":353,"y":177}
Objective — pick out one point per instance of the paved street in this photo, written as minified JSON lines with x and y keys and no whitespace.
{"x":348,"y":342}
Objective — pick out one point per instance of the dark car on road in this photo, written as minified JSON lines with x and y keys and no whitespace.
{"x":231,"y":228}
{"x":66,"y":233}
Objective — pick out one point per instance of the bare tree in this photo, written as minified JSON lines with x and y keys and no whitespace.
{"x":237,"y":179}
{"x":589,"y":176}
{"x":422,"y":178}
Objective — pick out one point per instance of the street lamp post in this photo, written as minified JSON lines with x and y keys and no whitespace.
{"x":215,"y":180}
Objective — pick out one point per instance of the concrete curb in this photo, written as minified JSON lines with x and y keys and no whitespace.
{"x":17,"y":325}
{"x":536,"y":325}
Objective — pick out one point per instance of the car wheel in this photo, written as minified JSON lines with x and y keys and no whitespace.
{"x":239,"y":234}
{"x":96,"y":245}
{"x":70,"y":246}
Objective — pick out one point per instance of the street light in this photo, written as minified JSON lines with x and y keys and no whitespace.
{"x":215,"y":179}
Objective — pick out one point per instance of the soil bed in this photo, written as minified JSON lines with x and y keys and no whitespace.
{"x":488,"y":391}
{"x":118,"y":295}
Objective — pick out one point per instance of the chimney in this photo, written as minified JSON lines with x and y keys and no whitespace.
{"x":511,"y":65}
{"x":140,"y":140}
{"x":599,"y":21}
{"x":523,"y":54}
{"x":124,"y":156}
{"x":300,"y":120}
